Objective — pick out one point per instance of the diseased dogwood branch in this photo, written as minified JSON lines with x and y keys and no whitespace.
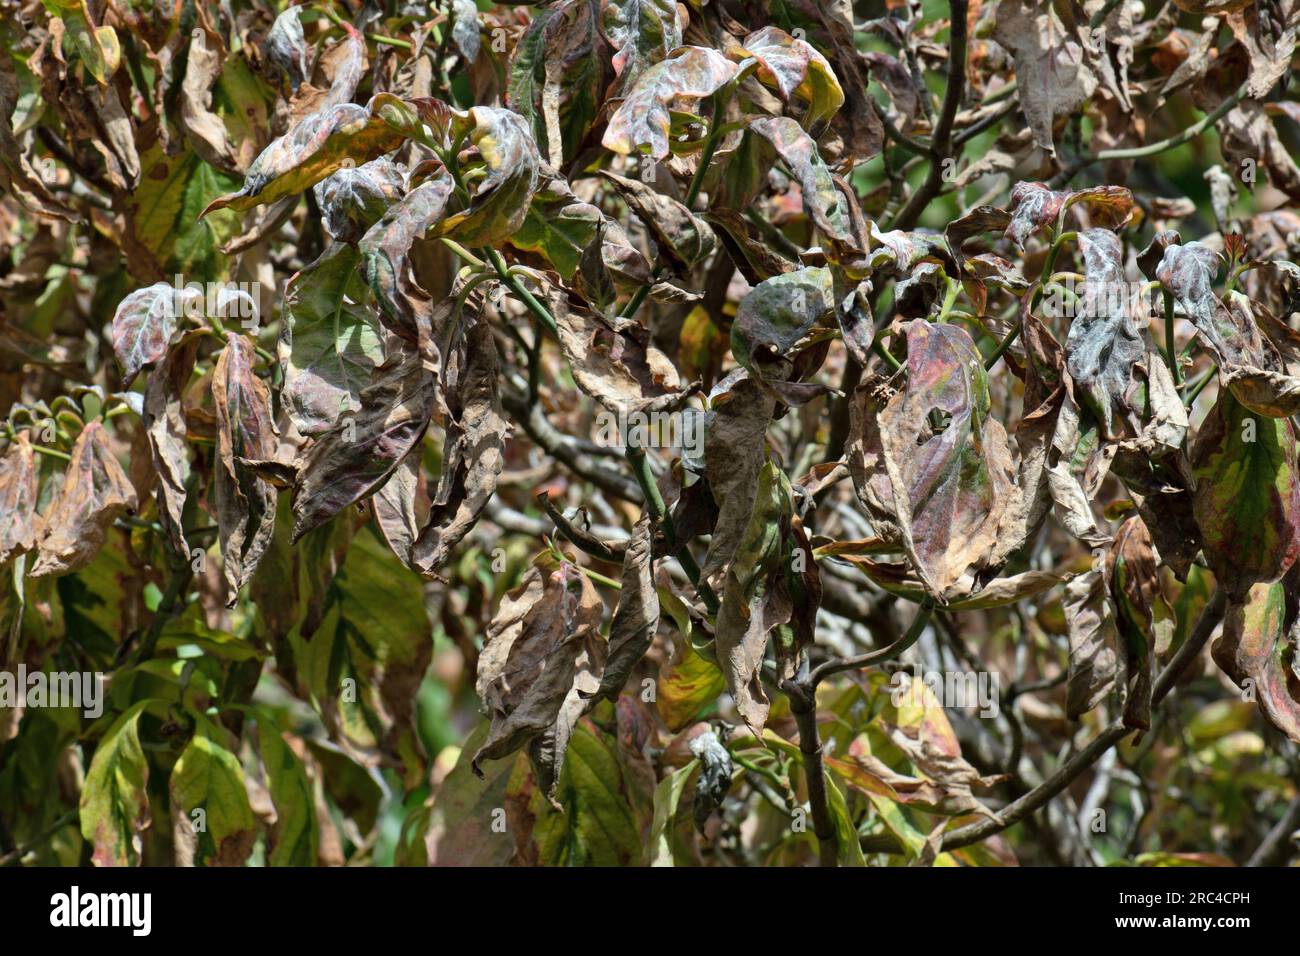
{"x":1065,"y":774}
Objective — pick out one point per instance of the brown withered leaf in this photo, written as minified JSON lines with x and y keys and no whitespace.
{"x":637,"y":615}
{"x":349,"y":461}
{"x":245,"y":502}
{"x":18,"y":490}
{"x":204,"y":128}
{"x":473,"y":454}
{"x":613,"y":361}
{"x":530,"y":657}
{"x":386,"y":254}
{"x":939,"y":485}
{"x":1098,"y":662}
{"x":95,"y":491}
{"x":164,"y":421}
{"x":681,"y":235}
{"x":1052,"y":70}
{"x":643,"y":120}
{"x":735,"y":447}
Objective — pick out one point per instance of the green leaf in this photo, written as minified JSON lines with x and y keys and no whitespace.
{"x":114,"y":804}
{"x":332,"y":341}
{"x":668,"y":794}
{"x":1247,"y":500}
{"x":208,"y":777}
{"x":294,"y":838}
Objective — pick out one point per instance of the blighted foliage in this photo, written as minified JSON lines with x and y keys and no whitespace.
{"x":636,"y":432}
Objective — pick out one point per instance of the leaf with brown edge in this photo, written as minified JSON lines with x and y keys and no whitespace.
{"x":642,"y":121}
{"x":166,"y":430}
{"x":530,"y":656}
{"x":1257,"y":650}
{"x":685,"y":238}
{"x":331,"y":342}
{"x":824,"y":203}
{"x":386,"y":254}
{"x":114,"y":807}
{"x":559,"y":226}
{"x":735,"y":447}
{"x":315,"y":148}
{"x":1143,"y":617}
{"x":501,"y":200}
{"x":95,"y":491}
{"x":1035,"y":207}
{"x":354,"y":199}
{"x":19,"y":484}
{"x":1054,"y":77}
{"x":642,"y":32}
{"x":357,"y":455}
{"x":636,"y":617}
{"x":244,"y":501}
{"x":752,"y":605}
{"x":143,"y":325}
{"x":473,"y":453}
{"x":342,"y":66}
{"x":204,"y":128}
{"x":613,"y":361}
{"x":940,"y":495}
{"x":797,"y":71}
{"x":1098,"y":661}
{"x":1247,"y":499}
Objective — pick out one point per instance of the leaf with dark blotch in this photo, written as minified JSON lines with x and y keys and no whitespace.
{"x":114,"y":809}
{"x":353,"y":199}
{"x":681,"y":235}
{"x":558,"y":224}
{"x":530,"y":657}
{"x":473,"y":454}
{"x":95,"y":491}
{"x":1247,"y":499}
{"x":613,"y":361}
{"x":823,"y":202}
{"x":775,"y":315}
{"x":930,"y":465}
{"x":1257,"y":647}
{"x":208,"y":777}
{"x":318,"y":146}
{"x":342,"y":65}
{"x":143,"y":325}
{"x":642,"y":32}
{"x":1034,"y":207}
{"x":357,"y":455}
{"x":386,"y":251}
{"x":18,"y":490}
{"x":637,"y":615}
{"x":331,"y":342}
{"x":501,"y":200}
{"x":245,"y":503}
{"x":795,"y":68}
{"x":164,"y":421}
{"x":642,"y":121}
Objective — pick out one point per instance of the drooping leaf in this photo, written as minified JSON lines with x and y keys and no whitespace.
{"x":114,"y":802}
{"x":642,"y":121}
{"x":94,"y":492}
{"x":797,"y":70}
{"x":208,"y":778}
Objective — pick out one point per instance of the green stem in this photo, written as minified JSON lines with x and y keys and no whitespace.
{"x":1171,"y":347}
